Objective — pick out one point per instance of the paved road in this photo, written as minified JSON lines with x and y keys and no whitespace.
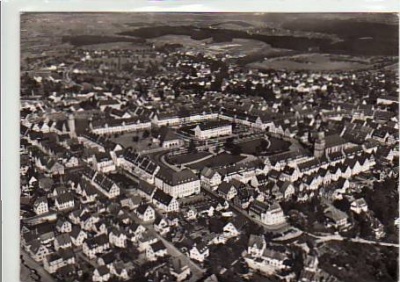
{"x":164,"y":162}
{"x":335,"y":237}
{"x":199,"y":160}
{"x":44,"y":275}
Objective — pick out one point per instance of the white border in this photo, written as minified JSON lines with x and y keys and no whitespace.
{"x":10,"y":76}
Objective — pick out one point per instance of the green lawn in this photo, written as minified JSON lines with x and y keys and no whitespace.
{"x":217,"y":161}
{"x":253,"y":147}
{"x":126,"y":141}
{"x":187,"y":158}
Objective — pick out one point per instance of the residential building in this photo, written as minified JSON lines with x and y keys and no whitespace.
{"x":145,"y":213}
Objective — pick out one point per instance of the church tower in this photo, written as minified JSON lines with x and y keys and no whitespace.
{"x":319,"y":145}
{"x":317,"y":121}
{"x":71,"y":125}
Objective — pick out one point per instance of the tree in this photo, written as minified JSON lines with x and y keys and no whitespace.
{"x":145,"y":134}
{"x":229,"y":143}
{"x":236,"y":150}
{"x":343,"y":204}
{"x":192,"y":147}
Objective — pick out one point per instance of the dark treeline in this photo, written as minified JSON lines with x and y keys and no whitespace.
{"x":349,"y":45}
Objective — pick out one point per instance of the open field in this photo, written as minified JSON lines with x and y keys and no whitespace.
{"x":276,"y":145}
{"x":314,"y":62}
{"x":126,"y":141}
{"x":114,"y":45}
{"x":217,"y":161}
{"x":236,"y":48}
{"x":82,"y":40}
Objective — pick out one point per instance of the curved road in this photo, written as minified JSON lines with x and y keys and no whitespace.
{"x":335,"y":237}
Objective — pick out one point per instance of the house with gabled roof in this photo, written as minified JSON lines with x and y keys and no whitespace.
{"x":102,"y":183}
{"x":63,"y":225}
{"x":145,"y":240}
{"x":89,"y":193}
{"x":270,"y":261}
{"x":101,"y":274}
{"x":179,"y":269}
{"x":56,"y":260}
{"x":210,"y":178}
{"x":108,"y":259}
{"x":146,"y":190}
{"x":290,"y":173}
{"x":232,"y":229}
{"x":145,"y":213}
{"x":336,"y":217}
{"x":40,"y":206}
{"x":103,"y":162}
{"x":99,"y":225}
{"x":75,"y":215}
{"x":221,"y":205}
{"x":59,"y":190}
{"x":256,"y":245}
{"x":131,"y":202}
{"x":62,"y":241}
{"x":191,"y":214}
{"x":118,"y":238}
{"x":139,"y":165}
{"x":77,"y":235}
{"x":87,"y":220}
{"x":165,"y":201}
{"x":120,"y":271}
{"x":168,"y":138}
{"x":161,"y":225}
{"x":37,"y":250}
{"x":98,"y":244}
{"x":199,"y":252}
{"x":136,"y":229}
{"x":259,"y":180}
{"x":311,"y":181}
{"x":227,"y":190}
{"x":359,"y":206}
{"x":64,"y":201}
{"x":269,"y":214}
{"x":286,"y":188}
{"x":155,"y":251}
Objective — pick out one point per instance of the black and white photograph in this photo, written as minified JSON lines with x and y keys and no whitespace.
{"x":208,"y":147}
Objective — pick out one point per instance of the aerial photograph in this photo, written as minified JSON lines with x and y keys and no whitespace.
{"x":209,"y":147}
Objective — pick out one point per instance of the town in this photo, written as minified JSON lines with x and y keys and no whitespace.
{"x":164,"y":162}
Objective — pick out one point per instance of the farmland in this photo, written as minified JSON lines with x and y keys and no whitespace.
{"x":317,"y":62}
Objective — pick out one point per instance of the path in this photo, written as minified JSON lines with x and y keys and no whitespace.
{"x":164,"y":162}
{"x":335,"y":237}
{"x":199,"y":160}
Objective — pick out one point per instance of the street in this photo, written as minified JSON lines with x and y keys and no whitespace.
{"x":43,"y":274}
{"x":335,"y":237}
